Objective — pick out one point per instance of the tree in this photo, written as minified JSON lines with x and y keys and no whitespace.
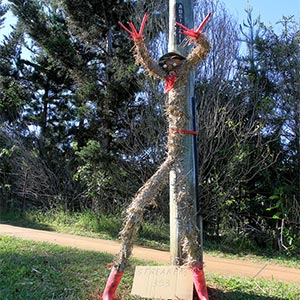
{"x":3,"y":11}
{"x":279,"y":54}
{"x":228,"y":135}
{"x":11,"y":101}
{"x":84,"y":94}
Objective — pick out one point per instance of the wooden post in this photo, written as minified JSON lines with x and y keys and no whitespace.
{"x":182,"y":12}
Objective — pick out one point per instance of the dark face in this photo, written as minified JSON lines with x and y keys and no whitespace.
{"x":170,"y":64}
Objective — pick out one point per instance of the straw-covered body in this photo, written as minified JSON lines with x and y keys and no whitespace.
{"x":178,"y":119}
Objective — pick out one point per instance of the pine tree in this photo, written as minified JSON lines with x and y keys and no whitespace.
{"x":84,"y":82}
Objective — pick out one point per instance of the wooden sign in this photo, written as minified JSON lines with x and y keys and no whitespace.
{"x":163,"y":282}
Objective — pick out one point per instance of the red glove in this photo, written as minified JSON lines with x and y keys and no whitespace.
{"x":135,"y":35}
{"x":194,"y":34}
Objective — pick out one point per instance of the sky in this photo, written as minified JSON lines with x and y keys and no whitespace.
{"x":270,"y":11}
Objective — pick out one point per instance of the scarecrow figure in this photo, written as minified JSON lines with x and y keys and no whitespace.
{"x":173,"y":69}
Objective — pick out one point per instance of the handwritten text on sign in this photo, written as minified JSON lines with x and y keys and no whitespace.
{"x":163,"y":282}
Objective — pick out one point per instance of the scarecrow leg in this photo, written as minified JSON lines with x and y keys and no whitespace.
{"x":134,"y":217}
{"x":192,"y":248}
{"x":135,"y":211}
{"x":189,"y":231}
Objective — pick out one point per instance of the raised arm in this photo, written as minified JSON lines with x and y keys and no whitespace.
{"x":142,"y":55}
{"x":197,"y":37}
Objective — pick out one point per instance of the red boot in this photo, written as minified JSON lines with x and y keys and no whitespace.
{"x":199,"y":281}
{"x":112,"y":284}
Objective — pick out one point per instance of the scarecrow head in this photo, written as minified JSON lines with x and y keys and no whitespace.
{"x":170,"y":63}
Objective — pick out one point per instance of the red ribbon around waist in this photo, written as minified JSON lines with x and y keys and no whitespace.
{"x":185,"y":131}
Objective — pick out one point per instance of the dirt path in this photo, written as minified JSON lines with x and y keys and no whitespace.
{"x":212,"y":264}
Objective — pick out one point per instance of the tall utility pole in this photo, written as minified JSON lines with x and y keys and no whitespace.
{"x":182,"y":12}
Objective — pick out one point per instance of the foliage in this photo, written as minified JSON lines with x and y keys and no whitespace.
{"x":286,"y":213}
{"x":3,"y":10}
{"x":101,"y":178}
{"x":76,"y":95}
{"x":244,"y":144}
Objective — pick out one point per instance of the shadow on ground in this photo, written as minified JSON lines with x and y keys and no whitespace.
{"x":26,"y":223}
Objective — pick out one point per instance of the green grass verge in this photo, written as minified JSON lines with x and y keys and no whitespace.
{"x":241,"y":288}
{"x":41,"y":271}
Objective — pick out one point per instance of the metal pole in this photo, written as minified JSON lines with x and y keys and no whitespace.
{"x":174,"y":225}
{"x":182,"y":12}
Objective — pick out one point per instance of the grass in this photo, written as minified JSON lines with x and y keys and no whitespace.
{"x":41,"y":271}
{"x":239,"y":288}
{"x":234,"y":251}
